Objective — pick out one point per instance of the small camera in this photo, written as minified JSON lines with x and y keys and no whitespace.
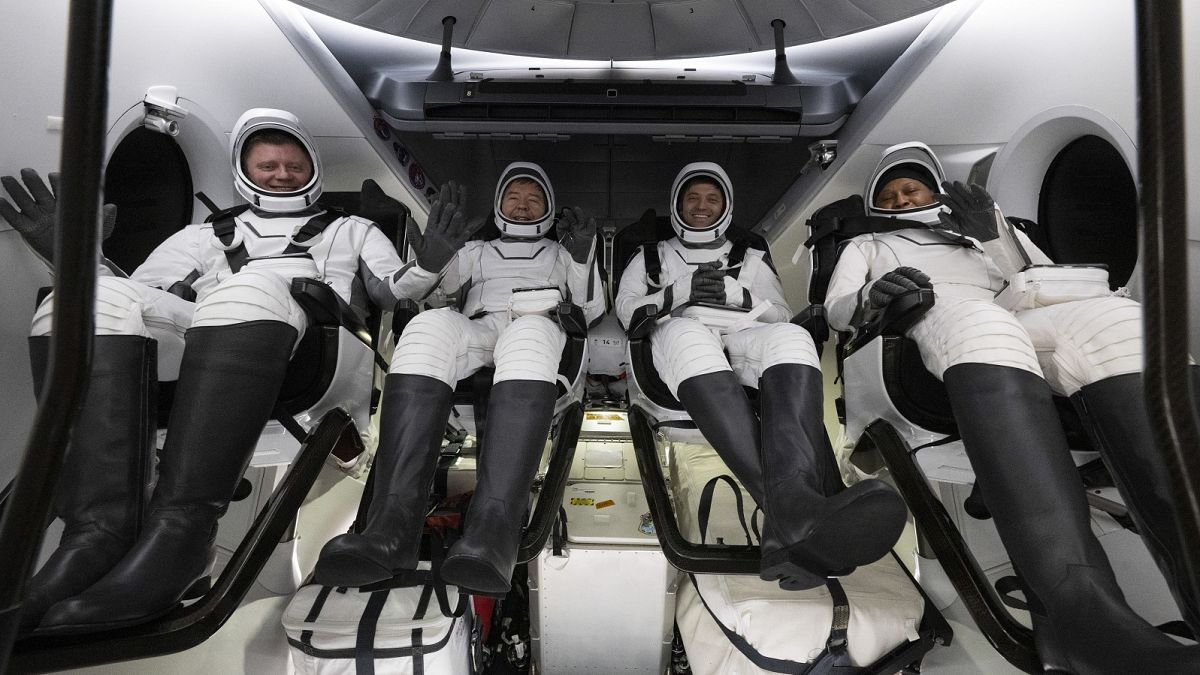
{"x":161,"y":124}
{"x":162,"y":110}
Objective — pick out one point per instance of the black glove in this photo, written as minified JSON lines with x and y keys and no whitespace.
{"x":972,"y":211}
{"x":446,"y":230}
{"x":894,"y":284}
{"x":35,"y":221}
{"x":577,"y":231}
{"x":708,"y":283}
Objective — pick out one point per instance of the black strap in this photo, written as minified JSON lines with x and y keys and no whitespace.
{"x":418,"y":657}
{"x":224,"y":229}
{"x":706,"y":497}
{"x":315,"y":226}
{"x":314,"y":612}
{"x":558,"y":533}
{"x":1006,"y":586}
{"x":736,"y":255}
{"x":1177,"y":628}
{"x":364,"y":645}
{"x":207,"y":202}
{"x":652,"y":262}
{"x":950,"y":438}
{"x":833,"y":660}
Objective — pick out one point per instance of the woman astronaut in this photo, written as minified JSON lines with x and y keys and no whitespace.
{"x":442,"y":346}
{"x":814,"y":527}
{"x":228,"y":348}
{"x":999,"y":368}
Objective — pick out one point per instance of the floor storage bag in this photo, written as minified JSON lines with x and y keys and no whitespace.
{"x":885,"y":606}
{"x":413,"y":630}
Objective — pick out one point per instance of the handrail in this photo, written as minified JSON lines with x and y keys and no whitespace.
{"x":545,"y":512}
{"x":189,"y":626}
{"x":1012,"y":640}
{"x":683,"y":554}
{"x":1163,"y":201}
{"x":76,"y":256}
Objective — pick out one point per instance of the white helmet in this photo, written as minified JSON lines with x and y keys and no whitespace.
{"x":907,"y":160}
{"x":524,"y":229}
{"x":260,"y":119}
{"x":687,"y":233}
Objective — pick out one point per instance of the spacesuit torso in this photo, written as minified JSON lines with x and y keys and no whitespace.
{"x":351,"y":255}
{"x":484,"y":274}
{"x":756,"y":281}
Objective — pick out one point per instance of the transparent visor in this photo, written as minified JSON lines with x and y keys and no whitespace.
{"x":242,"y":174}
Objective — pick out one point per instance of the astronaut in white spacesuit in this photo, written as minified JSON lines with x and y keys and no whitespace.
{"x":217,"y":315}
{"x":814,"y":526}
{"x":506,"y":288}
{"x":999,"y":368}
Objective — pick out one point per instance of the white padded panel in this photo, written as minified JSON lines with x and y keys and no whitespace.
{"x":699,"y":27}
{"x":612,"y":28}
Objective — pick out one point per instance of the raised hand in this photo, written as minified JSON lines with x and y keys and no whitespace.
{"x":577,"y":231}
{"x":446,"y":230}
{"x":894,"y":284}
{"x":34,"y":215}
{"x":708,"y":283}
{"x":972,"y":211}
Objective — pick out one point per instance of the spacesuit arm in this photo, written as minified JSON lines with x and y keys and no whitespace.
{"x":757,"y":284}
{"x":636,"y":292}
{"x":846,"y":298}
{"x":583,"y":281}
{"x":178,"y":259}
{"x":386,"y":277}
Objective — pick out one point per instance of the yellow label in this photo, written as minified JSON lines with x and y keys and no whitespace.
{"x":582,"y":501}
{"x":605,"y":504}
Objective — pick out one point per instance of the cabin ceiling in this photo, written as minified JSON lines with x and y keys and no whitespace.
{"x":621,"y":29}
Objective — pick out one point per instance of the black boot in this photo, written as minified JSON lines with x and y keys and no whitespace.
{"x":519,"y":415}
{"x":819,"y":523}
{"x":1017,"y":448}
{"x":1117,"y":421}
{"x":804,"y":536}
{"x":411,"y":427}
{"x":100,"y":490}
{"x":228,"y":383}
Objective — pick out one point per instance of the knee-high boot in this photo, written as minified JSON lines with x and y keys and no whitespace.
{"x":1015,"y":442}
{"x":411,"y":427}
{"x":807,"y":533}
{"x":1119,"y":425}
{"x":100,"y":491}
{"x":228,"y":383}
{"x":519,"y":415}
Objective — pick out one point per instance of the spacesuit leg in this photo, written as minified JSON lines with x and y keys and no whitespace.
{"x":520,"y":409}
{"x":235,"y":358}
{"x":433,"y":353}
{"x":101,"y":489}
{"x":1017,"y":448}
{"x":1092,"y":351}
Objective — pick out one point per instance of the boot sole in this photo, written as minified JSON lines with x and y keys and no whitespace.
{"x":849,"y":537}
{"x":345,"y":569}
{"x":475,"y":576}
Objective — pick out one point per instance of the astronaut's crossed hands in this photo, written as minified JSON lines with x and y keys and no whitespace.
{"x":893,"y":284}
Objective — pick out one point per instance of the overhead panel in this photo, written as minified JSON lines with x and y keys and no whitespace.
{"x":609,"y":28}
{"x":699,"y":27}
{"x":621,"y":30}
{"x":538,"y":26}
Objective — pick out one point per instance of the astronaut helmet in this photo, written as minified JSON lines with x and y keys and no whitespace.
{"x":913,"y":160}
{"x":258,"y":121}
{"x":707,"y":172}
{"x":526,"y":224}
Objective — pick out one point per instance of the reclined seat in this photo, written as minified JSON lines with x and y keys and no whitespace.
{"x":697,"y":510}
{"x":893,"y":406}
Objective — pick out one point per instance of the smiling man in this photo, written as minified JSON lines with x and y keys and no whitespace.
{"x":814,"y":527}
{"x":210,"y":307}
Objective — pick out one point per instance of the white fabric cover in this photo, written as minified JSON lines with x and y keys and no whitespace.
{"x":336,"y":628}
{"x":885,"y":607}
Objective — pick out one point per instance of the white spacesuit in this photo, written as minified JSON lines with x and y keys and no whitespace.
{"x":506,"y":289}
{"x":808,"y":514}
{"x":228,"y":349}
{"x":993,"y":362}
